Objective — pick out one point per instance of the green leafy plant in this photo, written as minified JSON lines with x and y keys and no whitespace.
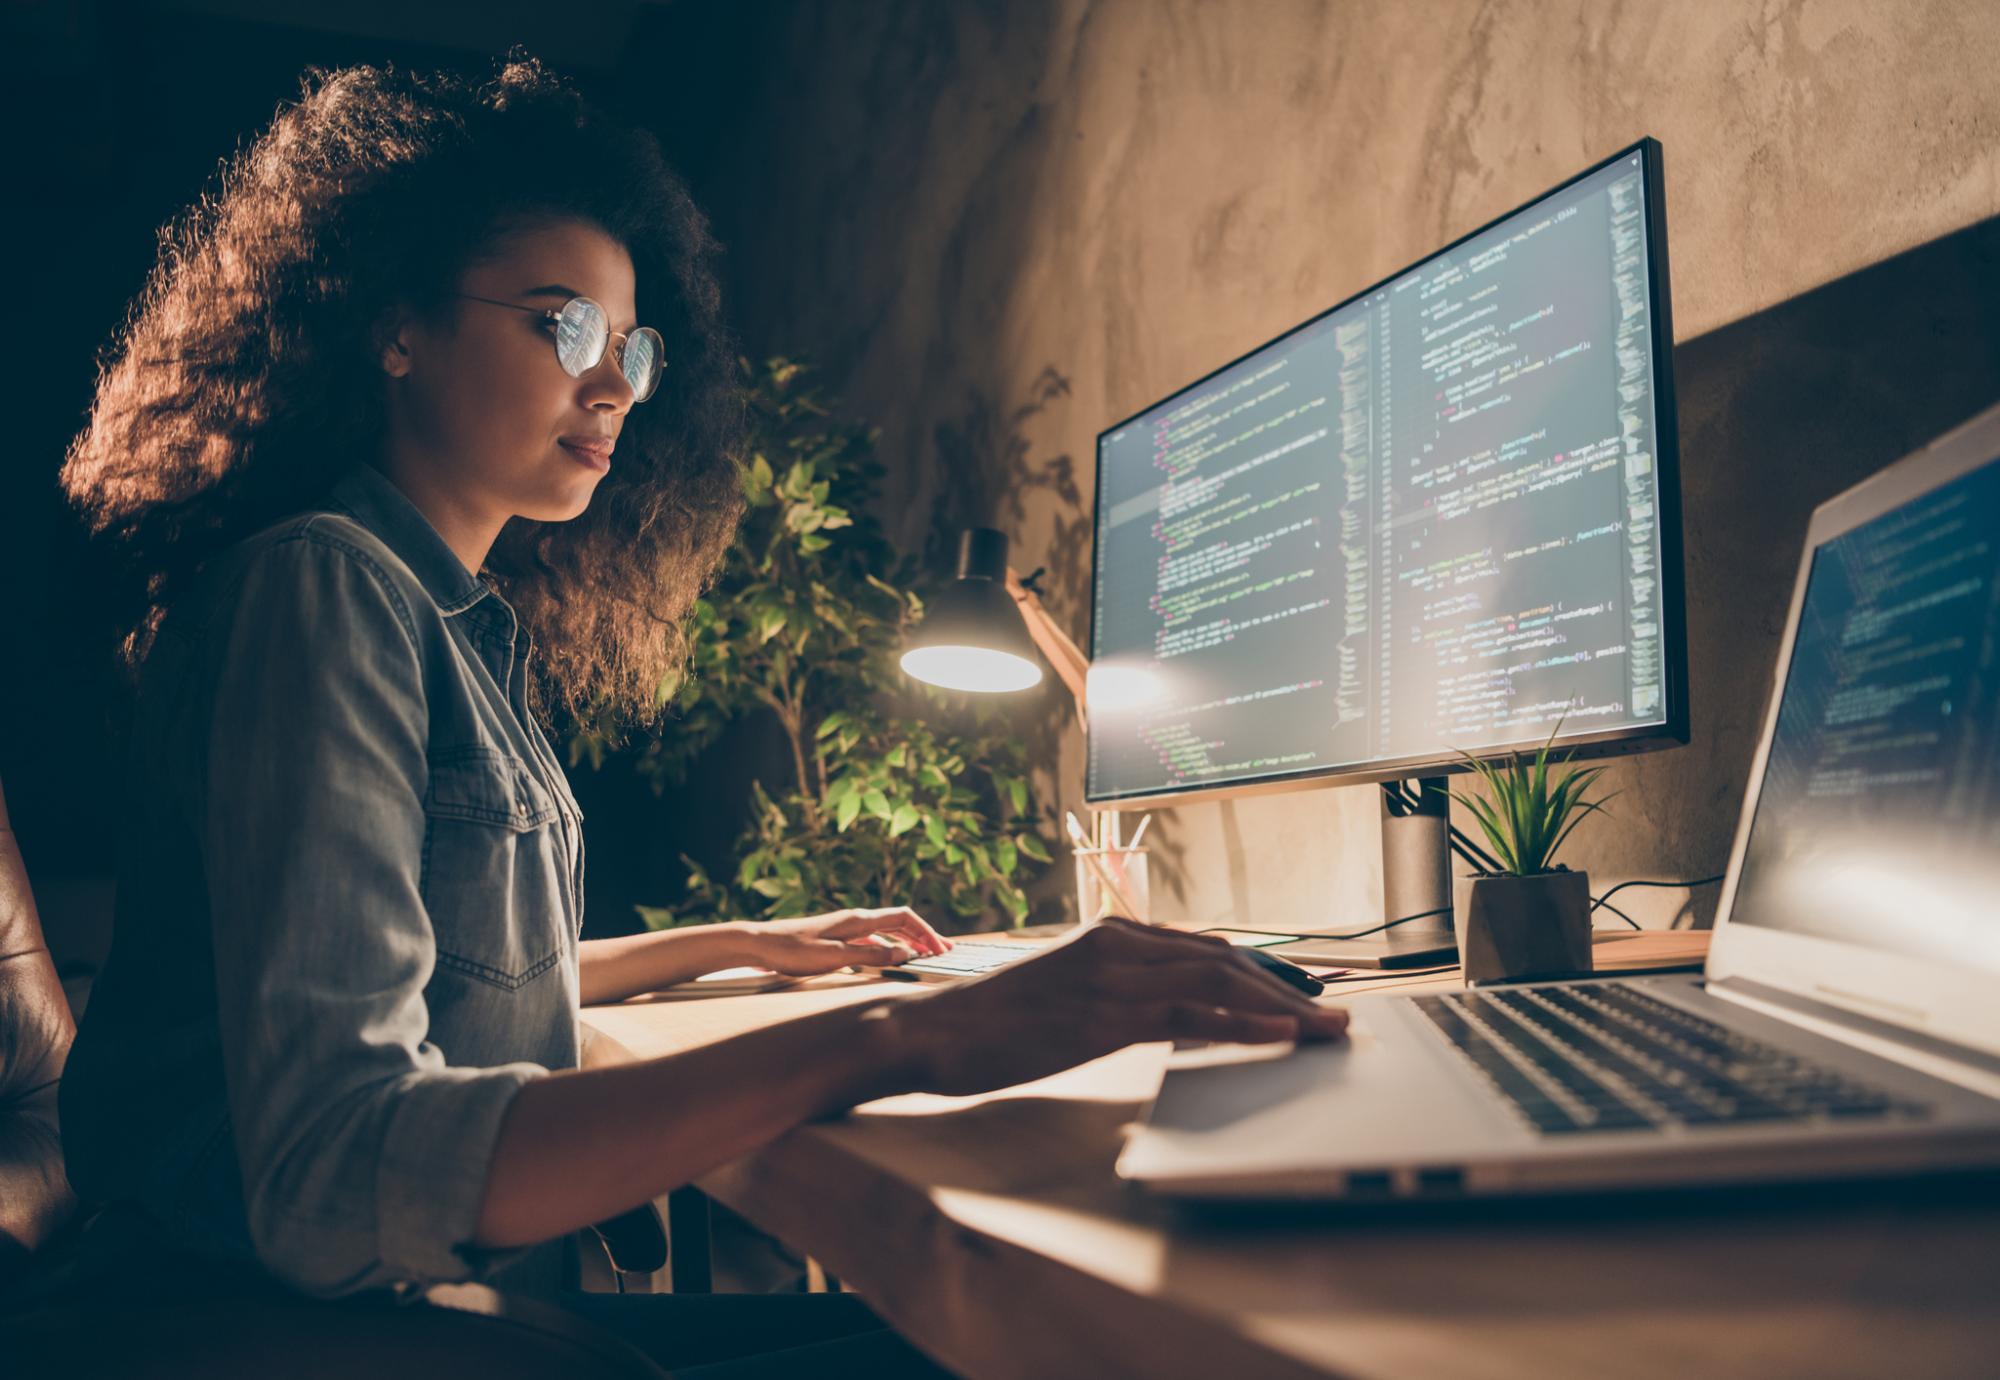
{"x":897,"y":793}
{"x":1529,"y":815}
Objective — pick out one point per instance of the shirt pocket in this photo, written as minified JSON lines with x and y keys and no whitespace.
{"x":492,"y":878}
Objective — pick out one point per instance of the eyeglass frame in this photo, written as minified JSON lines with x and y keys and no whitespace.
{"x":612,"y":339}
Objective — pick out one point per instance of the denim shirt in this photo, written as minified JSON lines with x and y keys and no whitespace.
{"x":349,"y":898}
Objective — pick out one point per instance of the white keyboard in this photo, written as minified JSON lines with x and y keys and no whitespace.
{"x":966,"y":958}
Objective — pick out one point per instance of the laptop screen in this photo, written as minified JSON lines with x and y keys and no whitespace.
{"x":1879,"y":819}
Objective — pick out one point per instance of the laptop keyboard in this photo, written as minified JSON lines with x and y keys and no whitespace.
{"x":1608,"y":1057}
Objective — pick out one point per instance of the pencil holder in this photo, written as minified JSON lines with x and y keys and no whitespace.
{"x":1112,"y":881}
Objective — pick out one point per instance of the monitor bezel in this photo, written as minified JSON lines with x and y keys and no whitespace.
{"x":1673,"y":728}
{"x":1945,"y":1001}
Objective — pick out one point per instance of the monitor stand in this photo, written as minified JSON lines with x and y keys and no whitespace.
{"x":1416,"y":877}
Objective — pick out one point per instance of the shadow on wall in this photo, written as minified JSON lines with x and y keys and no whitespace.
{"x":1778,"y":412}
{"x":986,"y":455}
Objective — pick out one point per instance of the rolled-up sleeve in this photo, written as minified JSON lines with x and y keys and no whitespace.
{"x":364,"y":1156}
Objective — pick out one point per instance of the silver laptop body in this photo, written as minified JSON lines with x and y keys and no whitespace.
{"x":1858,"y":933}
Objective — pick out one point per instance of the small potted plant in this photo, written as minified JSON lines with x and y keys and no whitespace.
{"x":1531,"y":918}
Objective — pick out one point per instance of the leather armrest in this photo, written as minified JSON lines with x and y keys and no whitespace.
{"x":35,"y":1035}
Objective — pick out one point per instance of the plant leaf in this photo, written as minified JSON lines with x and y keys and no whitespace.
{"x":1490,"y":825}
{"x":1588,"y":807}
{"x":846,"y":811}
{"x":1016,"y":902}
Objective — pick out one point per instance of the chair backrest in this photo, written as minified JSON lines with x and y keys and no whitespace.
{"x":35,"y":1034}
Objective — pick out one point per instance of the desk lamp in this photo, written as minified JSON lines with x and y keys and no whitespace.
{"x":971,"y":637}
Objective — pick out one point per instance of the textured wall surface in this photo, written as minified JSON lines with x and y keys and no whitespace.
{"x":1005,"y":226}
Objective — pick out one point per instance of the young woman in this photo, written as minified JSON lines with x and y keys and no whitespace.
{"x":425,"y":419}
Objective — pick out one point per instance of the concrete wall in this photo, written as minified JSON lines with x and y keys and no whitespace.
{"x":1003,"y":226}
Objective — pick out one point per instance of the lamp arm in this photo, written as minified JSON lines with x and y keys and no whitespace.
{"x":1071,"y":666}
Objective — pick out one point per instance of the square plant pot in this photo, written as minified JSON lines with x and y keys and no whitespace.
{"x":1522,"y":927}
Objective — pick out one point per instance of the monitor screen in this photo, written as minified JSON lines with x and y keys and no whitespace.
{"x":1878,"y":822}
{"x":1440,"y":516}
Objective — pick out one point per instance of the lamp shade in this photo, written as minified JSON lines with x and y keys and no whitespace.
{"x":972,"y":637}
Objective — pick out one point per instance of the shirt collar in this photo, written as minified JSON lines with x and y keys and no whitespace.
{"x":367,"y":495}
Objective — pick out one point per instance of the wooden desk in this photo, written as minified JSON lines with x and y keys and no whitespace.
{"x":992,"y":1232}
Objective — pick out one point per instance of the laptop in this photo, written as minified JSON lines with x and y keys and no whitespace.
{"x":1848,"y":1020}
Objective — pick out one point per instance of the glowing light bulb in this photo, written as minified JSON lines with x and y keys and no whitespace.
{"x":971,"y":668}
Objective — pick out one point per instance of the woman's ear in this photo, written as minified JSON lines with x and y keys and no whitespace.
{"x":392,"y":344}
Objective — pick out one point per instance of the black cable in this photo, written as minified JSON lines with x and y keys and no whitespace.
{"x":1597,"y":903}
{"x":1605,"y":899}
{"x":1358,"y":934}
{"x":1617,"y":912}
{"x":1702,"y":882}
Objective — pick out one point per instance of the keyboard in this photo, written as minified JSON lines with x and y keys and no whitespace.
{"x":1609,"y":1057}
{"x":967,"y":958}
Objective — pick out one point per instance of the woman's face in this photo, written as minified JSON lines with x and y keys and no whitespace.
{"x":483,"y":413}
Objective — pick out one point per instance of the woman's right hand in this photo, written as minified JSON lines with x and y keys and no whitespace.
{"x":1114,"y":984}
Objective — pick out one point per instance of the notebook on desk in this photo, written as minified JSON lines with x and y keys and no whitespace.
{"x":1849,"y":1018}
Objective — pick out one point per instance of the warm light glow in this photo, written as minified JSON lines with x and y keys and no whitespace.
{"x":1123,"y":687}
{"x":971,"y":668}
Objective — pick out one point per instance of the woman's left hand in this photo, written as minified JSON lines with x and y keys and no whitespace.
{"x":842,"y":938}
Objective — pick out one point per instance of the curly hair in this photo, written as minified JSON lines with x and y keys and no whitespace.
{"x":244,"y":378}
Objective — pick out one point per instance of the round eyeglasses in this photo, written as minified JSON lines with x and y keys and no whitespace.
{"x":583,"y":333}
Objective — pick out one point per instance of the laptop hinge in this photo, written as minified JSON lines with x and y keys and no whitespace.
{"x":1955,"y":1063}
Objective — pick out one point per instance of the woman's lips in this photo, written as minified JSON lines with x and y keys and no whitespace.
{"x":595,"y":454}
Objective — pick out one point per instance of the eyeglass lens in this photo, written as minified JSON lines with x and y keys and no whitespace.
{"x":583,"y":333}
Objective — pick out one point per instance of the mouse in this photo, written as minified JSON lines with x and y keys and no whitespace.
{"x":1288,"y":973}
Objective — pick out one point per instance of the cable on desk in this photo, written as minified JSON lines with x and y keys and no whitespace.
{"x":1605,"y":899}
{"x":1358,"y":934}
{"x":1599,"y":902}
{"x":1617,"y":912}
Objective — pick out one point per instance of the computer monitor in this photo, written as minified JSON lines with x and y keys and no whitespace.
{"x":1441,"y":516}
